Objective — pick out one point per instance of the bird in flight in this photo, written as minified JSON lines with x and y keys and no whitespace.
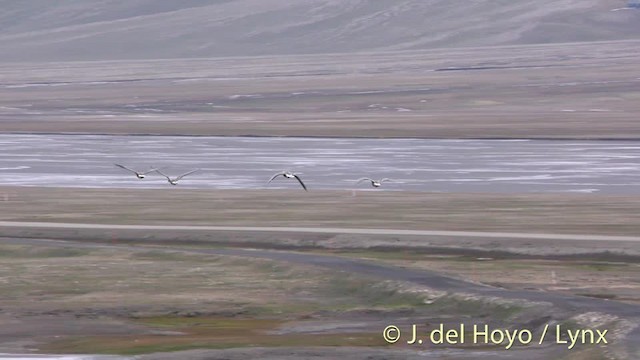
{"x":174,"y":181}
{"x":374,"y":183}
{"x":139,"y":174}
{"x":288,"y":175}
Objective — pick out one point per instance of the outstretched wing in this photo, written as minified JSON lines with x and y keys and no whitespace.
{"x":363,"y":179}
{"x":153,"y":169}
{"x":161,"y":173}
{"x":275,"y":176}
{"x":386,"y":179}
{"x":300,"y":181}
{"x":185,"y":174}
{"x":126,"y":168}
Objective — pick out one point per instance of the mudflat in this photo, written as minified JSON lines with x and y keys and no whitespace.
{"x":582,"y":90}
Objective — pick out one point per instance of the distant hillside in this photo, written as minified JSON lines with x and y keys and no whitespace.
{"x":46,"y":30}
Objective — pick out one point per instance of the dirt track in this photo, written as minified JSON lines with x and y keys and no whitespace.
{"x":583,"y":214}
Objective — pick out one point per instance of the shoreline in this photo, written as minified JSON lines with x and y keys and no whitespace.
{"x":489,"y":138}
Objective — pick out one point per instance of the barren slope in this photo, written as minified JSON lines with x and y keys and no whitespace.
{"x":42,"y":30}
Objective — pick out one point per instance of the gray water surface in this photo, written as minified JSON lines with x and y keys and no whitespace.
{"x":611,"y":167}
{"x":58,"y":357}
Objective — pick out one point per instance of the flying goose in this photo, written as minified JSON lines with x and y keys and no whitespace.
{"x":175,"y":181}
{"x":374,"y":183}
{"x":288,"y":175}
{"x":139,"y":175}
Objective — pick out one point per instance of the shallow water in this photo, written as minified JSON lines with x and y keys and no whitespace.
{"x":57,"y":357}
{"x":611,"y":167}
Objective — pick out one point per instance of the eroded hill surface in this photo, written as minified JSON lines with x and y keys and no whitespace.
{"x":41,"y":30}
